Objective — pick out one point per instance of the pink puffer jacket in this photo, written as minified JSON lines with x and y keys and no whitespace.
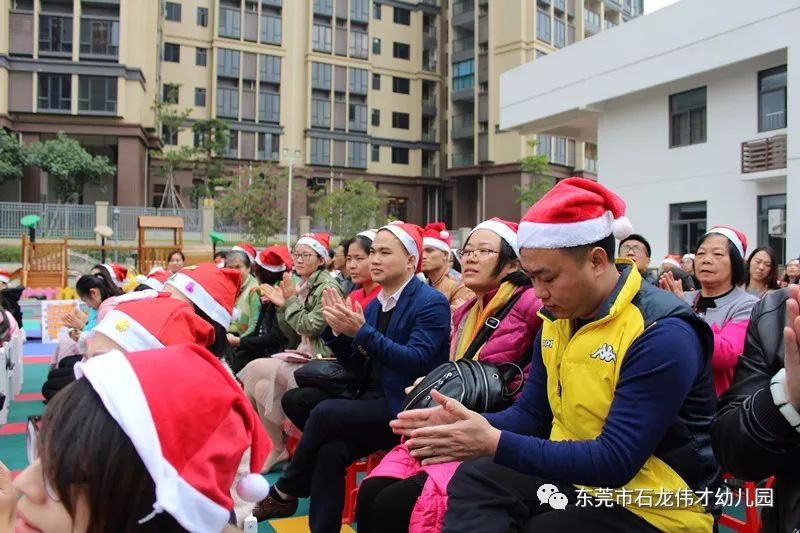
{"x":513,"y":338}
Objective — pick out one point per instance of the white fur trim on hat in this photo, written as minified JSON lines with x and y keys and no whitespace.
{"x":127,"y":332}
{"x":153,"y":283}
{"x":270,"y":268}
{"x":731,"y":236}
{"x":118,"y":387}
{"x":238,"y":248}
{"x":405,"y":238}
{"x":687,"y":256}
{"x":369,"y":234}
{"x":201,"y":298}
{"x":505,"y":233}
{"x":5,"y":279}
{"x":435,"y":243}
{"x":113,"y":274}
{"x":670,"y":261}
{"x":136,"y":296}
{"x":553,"y":236}
{"x":315,"y":245}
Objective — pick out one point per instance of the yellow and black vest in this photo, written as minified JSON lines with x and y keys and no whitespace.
{"x":583,"y":369}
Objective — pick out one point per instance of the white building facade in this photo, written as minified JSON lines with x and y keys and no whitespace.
{"x":689,"y":107}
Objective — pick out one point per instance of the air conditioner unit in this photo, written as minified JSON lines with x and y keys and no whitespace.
{"x":776,"y":222}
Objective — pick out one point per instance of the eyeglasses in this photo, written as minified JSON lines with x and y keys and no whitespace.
{"x":635,"y":248}
{"x":32,"y":447}
{"x":304,"y":256}
{"x":480,"y":254}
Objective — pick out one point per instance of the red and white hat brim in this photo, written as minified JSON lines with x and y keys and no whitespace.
{"x":245,"y":252}
{"x":129,"y":334}
{"x":435,"y":243}
{"x":5,"y":279}
{"x":408,"y":241}
{"x":201,"y":298}
{"x":117,"y":385}
{"x":571,"y":234}
{"x":731,"y":236}
{"x":505,"y":233}
{"x":671,"y":261}
{"x":270,"y":268}
{"x":314,"y":245}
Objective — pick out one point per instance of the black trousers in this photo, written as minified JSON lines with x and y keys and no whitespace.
{"x":484,"y":496}
{"x":385,"y":503}
{"x":298,"y":403}
{"x":338,"y":432}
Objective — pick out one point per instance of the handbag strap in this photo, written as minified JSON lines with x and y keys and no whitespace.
{"x":491,"y":324}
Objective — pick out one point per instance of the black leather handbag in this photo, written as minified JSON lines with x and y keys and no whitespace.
{"x":328,"y":375}
{"x":481,"y":387}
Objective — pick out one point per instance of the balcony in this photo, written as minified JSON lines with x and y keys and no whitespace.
{"x":590,"y":165}
{"x":464,"y":44}
{"x":764,"y":154}
{"x":429,"y":135}
{"x":613,"y":5}
{"x":430,"y":171}
{"x":464,"y":13}
{"x":462,"y":160}
{"x":591,"y":22}
{"x":99,"y":38}
{"x":463,"y":126}
{"x":429,"y":105}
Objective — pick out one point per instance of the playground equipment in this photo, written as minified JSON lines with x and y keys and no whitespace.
{"x":158,"y":255}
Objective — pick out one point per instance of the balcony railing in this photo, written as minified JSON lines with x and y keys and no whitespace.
{"x":465,"y":43}
{"x":429,"y":135}
{"x":590,"y":164}
{"x":764,"y":154}
{"x":429,"y":171}
{"x":463,"y":6}
{"x":463,"y":160}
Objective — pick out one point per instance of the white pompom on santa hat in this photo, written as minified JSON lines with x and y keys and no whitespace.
{"x":576,"y":212}
{"x":192,"y":452}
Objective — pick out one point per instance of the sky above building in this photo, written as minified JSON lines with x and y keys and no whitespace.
{"x":655,"y":5}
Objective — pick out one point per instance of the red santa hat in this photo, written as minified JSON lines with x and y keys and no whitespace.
{"x":505,"y":229}
{"x":117,"y":272}
{"x":738,"y":238}
{"x":151,"y":323}
{"x":5,"y":277}
{"x":435,"y":235}
{"x":157,"y":279}
{"x":275,"y":258}
{"x":191,"y":444}
{"x":210,"y":288}
{"x":368,"y":233}
{"x":247,"y":248}
{"x":672,"y":260}
{"x":410,"y":235}
{"x":575,"y":212}
{"x":319,"y":242}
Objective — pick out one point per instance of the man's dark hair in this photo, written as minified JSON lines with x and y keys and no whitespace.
{"x":638,"y":238}
{"x":580,"y":252}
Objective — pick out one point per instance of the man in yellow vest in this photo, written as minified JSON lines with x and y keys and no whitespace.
{"x":611,"y":432}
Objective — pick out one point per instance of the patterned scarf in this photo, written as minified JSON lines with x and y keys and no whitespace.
{"x":476,"y":317}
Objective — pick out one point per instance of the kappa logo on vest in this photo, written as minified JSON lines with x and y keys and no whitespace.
{"x":547,"y":343}
{"x":604,"y":353}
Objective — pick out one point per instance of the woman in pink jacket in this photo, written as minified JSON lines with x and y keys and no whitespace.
{"x":401,"y":494}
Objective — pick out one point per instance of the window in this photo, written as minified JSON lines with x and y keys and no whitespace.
{"x":376,"y":11}
{"x":399,"y":156}
{"x":397,"y":208}
{"x":463,"y":75}
{"x":321,"y":76}
{"x":322,"y":38}
{"x":170,"y":93}
{"x":376,"y":82}
{"x":560,"y":151}
{"x":323,"y":7}
{"x":376,"y":46}
{"x":169,"y":136}
{"x":228,"y":63}
{"x":55,"y":34}
{"x":359,"y":11}
{"x":268,"y":146}
{"x":173,"y":11}
{"x":359,"y":44}
{"x":269,"y":107}
{"x":402,"y":16}
{"x":544,"y":146}
{"x":401,"y":51}
{"x":687,"y":224}
{"x":358,"y":117}
{"x":201,"y":57}
{"x":560,"y":33}
{"x":199,"y":97}
{"x":358,"y":81}
{"x":376,"y":153}
{"x":230,"y":22}
{"x":772,"y":224}
{"x":400,"y":120}
{"x":271,"y":29}
{"x":401,"y":85}
{"x":543,"y":25}
{"x":233,"y":144}
{"x":376,"y":117}
{"x":687,"y":117}
{"x":99,"y":37}
{"x":172,"y":52}
{"x":228,"y":100}
{"x":320,"y":152}
{"x":357,"y":155}
{"x":320,"y":113}
{"x":202,"y":17}
{"x":55,"y":92}
{"x":97,"y":94}
{"x":772,"y":99}
{"x":269,"y":69}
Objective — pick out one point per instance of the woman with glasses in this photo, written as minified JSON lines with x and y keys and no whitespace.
{"x":299,"y":309}
{"x":389,"y":500}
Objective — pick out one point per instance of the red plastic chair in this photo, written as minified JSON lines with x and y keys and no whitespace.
{"x":752,"y":521}
{"x":351,"y":484}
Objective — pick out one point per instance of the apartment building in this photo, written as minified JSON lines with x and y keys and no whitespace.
{"x":352,"y":87}
{"x":487,"y":39}
{"x":82,"y":67}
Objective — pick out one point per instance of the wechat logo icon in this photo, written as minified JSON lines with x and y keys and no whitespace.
{"x":549,"y":494}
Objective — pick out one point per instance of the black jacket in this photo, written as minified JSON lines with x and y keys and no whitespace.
{"x":751,"y":438}
{"x":266,"y":339}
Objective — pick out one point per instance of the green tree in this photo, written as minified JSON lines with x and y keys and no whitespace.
{"x":256,"y":200}
{"x":13,"y":157}
{"x":214,"y":135}
{"x":70,"y":166}
{"x":535,"y":165}
{"x":351,"y":209}
{"x":172,"y":120}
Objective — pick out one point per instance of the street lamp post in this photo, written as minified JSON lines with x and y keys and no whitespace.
{"x":290,"y":159}
{"x":116,"y":234}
